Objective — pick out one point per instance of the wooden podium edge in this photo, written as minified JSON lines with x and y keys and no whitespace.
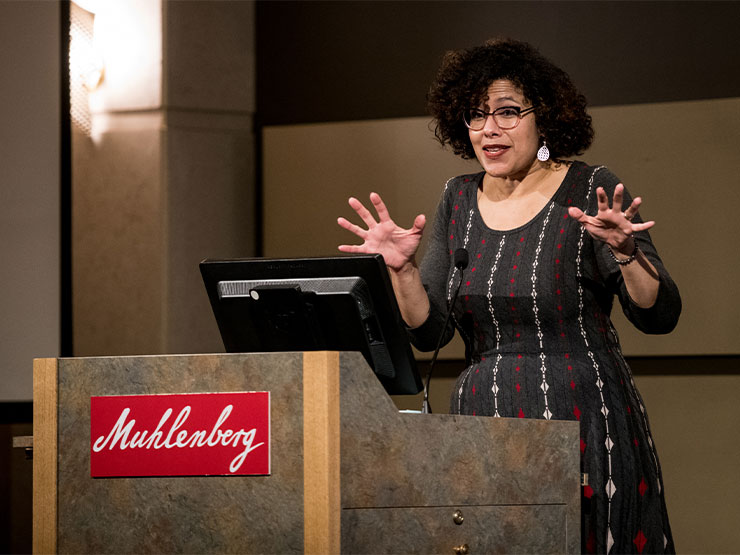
{"x":45,"y":380}
{"x":321,"y":464}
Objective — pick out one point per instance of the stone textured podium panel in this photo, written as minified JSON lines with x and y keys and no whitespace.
{"x":391,"y":459}
{"x":180,"y":514}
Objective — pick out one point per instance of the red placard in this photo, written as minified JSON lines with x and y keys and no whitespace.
{"x":193,"y":434}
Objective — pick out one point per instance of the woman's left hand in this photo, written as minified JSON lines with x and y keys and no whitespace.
{"x":610,"y":224}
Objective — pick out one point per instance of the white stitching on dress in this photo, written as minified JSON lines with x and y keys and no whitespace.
{"x":610,"y":488}
{"x":489,"y":295}
{"x":543,"y":367}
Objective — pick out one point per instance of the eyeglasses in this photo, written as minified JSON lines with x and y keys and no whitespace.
{"x":506,"y":117}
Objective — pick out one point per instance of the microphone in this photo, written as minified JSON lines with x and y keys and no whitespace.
{"x":460,"y":259}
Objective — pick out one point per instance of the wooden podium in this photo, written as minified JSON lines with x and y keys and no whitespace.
{"x":350,"y":473}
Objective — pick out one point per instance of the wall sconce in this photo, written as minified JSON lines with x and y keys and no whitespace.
{"x":86,"y":68}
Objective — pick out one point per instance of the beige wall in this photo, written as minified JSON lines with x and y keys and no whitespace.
{"x":30,"y":293}
{"x":681,"y":157}
{"x":695,"y":423}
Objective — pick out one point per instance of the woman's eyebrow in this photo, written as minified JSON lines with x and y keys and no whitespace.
{"x":500,"y":99}
{"x":511,"y":98}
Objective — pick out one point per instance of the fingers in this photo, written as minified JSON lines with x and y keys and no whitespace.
{"x":380,"y":207}
{"x":601,"y":199}
{"x":354,"y":249}
{"x":618,"y":197}
{"x":419,"y":223}
{"x":349,"y":226}
{"x":362,"y":212}
{"x":575,"y":212}
{"x":632,"y":209}
{"x":643,"y":226}
{"x":578,"y":214}
{"x":589,"y":223}
{"x":618,"y":201}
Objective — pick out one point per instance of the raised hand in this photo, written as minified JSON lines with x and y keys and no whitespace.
{"x":611,"y":225}
{"x":397,"y":245}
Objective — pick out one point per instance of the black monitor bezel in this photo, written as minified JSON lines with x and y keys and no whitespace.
{"x":371,"y":268}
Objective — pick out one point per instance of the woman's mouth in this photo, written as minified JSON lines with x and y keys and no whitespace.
{"x":494,"y":151}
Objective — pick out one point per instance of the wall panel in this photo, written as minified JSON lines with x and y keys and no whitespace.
{"x":30,"y":295}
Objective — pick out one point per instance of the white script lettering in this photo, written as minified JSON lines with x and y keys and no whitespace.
{"x":143,"y":439}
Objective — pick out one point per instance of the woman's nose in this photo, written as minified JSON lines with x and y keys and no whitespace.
{"x":491,"y":128}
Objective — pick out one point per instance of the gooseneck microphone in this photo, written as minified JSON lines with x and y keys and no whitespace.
{"x":461,"y":262}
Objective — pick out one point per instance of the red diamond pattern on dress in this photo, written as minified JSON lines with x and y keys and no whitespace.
{"x":588,"y":491}
{"x":640,"y":541}
{"x":521,"y":413}
{"x":577,"y":412}
{"x":642,"y":487}
{"x":583,"y":446}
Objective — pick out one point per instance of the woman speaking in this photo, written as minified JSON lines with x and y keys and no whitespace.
{"x":550,"y":242}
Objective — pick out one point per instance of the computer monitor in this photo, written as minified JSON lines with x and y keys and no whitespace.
{"x":342,"y":303}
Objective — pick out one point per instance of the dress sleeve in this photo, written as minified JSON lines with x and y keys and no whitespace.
{"x":660,"y":318}
{"x":434,"y":271}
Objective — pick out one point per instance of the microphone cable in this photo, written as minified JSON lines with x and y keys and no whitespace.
{"x":461,"y":262}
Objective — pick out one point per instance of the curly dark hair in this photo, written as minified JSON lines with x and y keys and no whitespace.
{"x":465,"y":75}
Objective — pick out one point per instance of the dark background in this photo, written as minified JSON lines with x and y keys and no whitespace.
{"x":349,"y":60}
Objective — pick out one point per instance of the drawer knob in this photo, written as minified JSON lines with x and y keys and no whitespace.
{"x":457,"y":517}
{"x":461,"y":549}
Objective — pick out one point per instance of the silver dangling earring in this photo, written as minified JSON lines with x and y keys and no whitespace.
{"x":543,"y":154}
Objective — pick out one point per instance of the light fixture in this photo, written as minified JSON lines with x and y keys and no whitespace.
{"x":86,"y":69}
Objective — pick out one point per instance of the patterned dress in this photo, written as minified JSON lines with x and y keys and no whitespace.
{"x":533,"y":311}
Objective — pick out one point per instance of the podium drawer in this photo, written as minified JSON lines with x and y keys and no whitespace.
{"x":455,"y":529}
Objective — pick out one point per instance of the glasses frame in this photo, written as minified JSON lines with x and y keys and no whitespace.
{"x":520,"y":115}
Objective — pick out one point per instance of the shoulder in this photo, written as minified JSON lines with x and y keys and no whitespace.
{"x":586,"y":178}
{"x":455,"y":184}
{"x":461,"y":189}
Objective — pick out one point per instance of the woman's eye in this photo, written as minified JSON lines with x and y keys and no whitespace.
{"x":477,"y":114}
{"x":508,"y":111}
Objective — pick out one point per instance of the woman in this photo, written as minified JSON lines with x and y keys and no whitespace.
{"x":547,"y":255}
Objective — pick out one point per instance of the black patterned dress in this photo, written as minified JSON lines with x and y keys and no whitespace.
{"x":533,"y":311}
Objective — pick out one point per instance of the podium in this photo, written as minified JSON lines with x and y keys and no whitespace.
{"x":349,"y":473}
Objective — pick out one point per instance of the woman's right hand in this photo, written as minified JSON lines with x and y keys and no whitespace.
{"x":397,"y":245}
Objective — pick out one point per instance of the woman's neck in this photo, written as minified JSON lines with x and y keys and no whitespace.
{"x":532,"y":180}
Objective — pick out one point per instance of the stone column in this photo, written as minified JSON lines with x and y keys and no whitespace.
{"x":165,"y":175}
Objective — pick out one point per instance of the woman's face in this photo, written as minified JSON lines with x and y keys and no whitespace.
{"x":506,"y":153}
